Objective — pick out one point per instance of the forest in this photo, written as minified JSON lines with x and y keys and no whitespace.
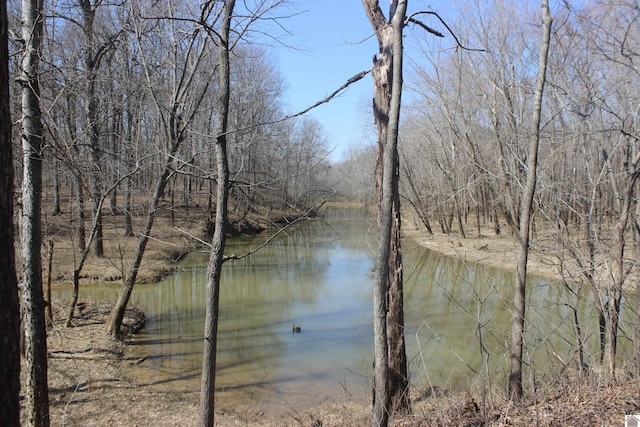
{"x":165,"y":121}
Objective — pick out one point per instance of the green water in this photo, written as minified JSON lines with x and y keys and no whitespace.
{"x":318,"y":276}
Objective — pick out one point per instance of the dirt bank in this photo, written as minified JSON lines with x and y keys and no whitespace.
{"x":485,"y":249}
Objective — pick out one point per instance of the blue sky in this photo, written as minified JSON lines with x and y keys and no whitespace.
{"x":333,"y":41}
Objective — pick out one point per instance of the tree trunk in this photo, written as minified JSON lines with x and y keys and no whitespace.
{"x":216,"y":258}
{"x":128,"y":230}
{"x":614,"y":290}
{"x":56,"y":188}
{"x":636,"y":334}
{"x":391,"y":385}
{"x":36,"y":389}
{"x":9,"y":308}
{"x":398,"y":371}
{"x":71,"y":129}
{"x":519,"y":302}
{"x":80,"y":206}
{"x":128,"y":224}
{"x":381,"y":81}
{"x":114,"y":322}
{"x":49,"y":304}
{"x":91,"y":60}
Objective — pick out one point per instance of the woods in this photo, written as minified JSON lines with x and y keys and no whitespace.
{"x":480,"y":107}
{"x":506,"y":118}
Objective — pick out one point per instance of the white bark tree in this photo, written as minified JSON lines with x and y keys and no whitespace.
{"x":36,"y":387}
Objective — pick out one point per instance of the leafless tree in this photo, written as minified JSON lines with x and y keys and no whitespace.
{"x":36,"y":388}
{"x":176,"y":113}
{"x":391,"y":385}
{"x":526,"y":202}
{"x":214,"y":267}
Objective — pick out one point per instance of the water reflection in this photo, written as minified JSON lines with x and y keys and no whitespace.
{"x":318,"y":276}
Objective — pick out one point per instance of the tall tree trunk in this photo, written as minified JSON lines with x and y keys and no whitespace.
{"x":36,"y":389}
{"x":636,"y":333}
{"x":381,"y":80}
{"x":398,"y":371}
{"x":214,"y":268}
{"x":9,"y":308}
{"x":391,"y":384}
{"x":519,"y":302}
{"x":216,"y":258}
{"x":48,"y":312}
{"x":91,"y":61}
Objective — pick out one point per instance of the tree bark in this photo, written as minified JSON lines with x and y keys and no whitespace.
{"x":391,"y":384}
{"x":519,"y":302}
{"x":36,"y":388}
{"x":636,"y":299}
{"x":9,"y":308}
{"x":398,"y":371}
{"x":216,"y":258}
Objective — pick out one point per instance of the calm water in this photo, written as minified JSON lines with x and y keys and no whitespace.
{"x":318,"y":276}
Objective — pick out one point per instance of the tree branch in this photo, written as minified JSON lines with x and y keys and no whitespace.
{"x":349,"y":82}
{"x":427,"y":28}
{"x":411,"y":19}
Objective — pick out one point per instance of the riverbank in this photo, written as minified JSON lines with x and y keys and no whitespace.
{"x":95,"y":382}
{"x":172,"y":237}
{"x":485,"y":248}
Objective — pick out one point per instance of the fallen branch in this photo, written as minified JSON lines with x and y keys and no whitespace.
{"x":78,"y":356}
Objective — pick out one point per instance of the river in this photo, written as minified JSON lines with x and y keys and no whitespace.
{"x":318,"y":277}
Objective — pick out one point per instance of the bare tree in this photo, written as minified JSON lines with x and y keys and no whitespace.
{"x":176,"y":115}
{"x":214,"y":267}
{"x":9,"y":306}
{"x":603,"y":126}
{"x":36,"y":388}
{"x":93,"y":54}
{"x":526,"y":203}
{"x":390,"y":367}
